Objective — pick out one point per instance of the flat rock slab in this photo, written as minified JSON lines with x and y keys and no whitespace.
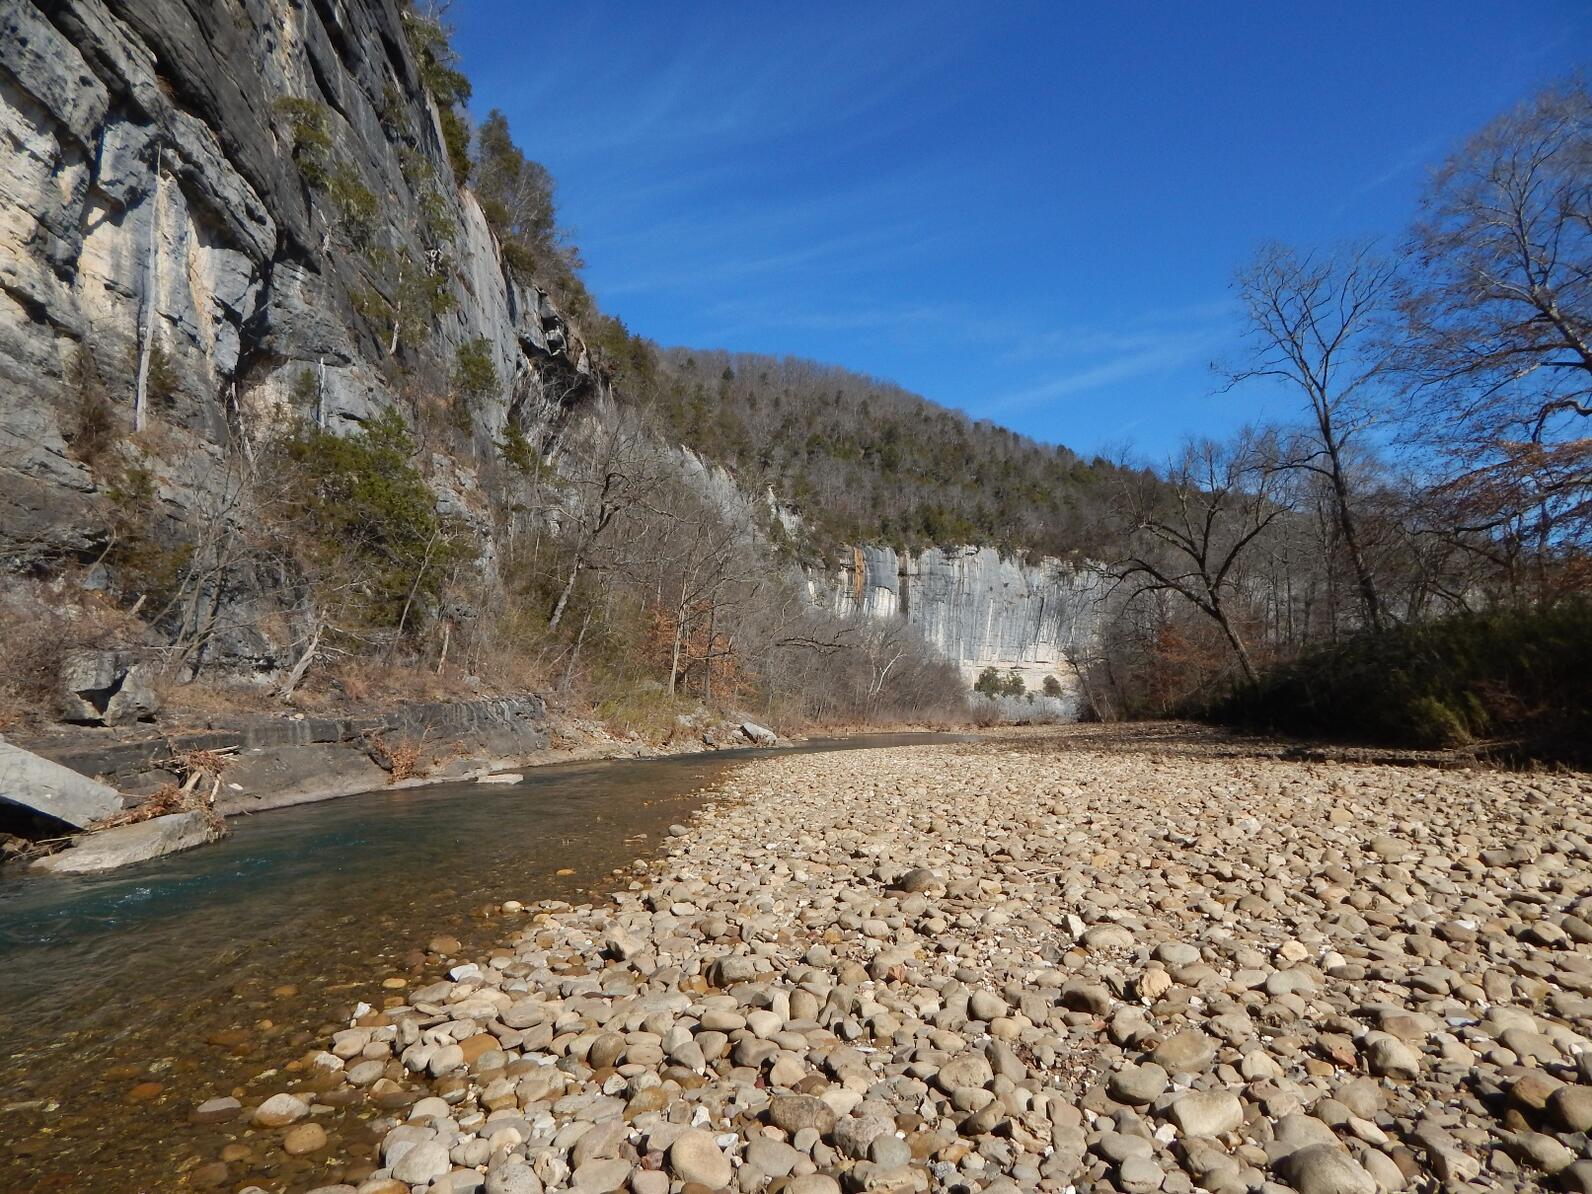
{"x":125,"y":844}
{"x":54,"y":790}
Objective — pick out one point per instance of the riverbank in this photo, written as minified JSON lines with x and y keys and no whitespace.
{"x":232,"y":766}
{"x":226,"y":960}
{"x":1020,"y":963}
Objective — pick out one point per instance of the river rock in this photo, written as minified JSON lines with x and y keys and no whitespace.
{"x":1325,"y":1169}
{"x":303,"y":1138}
{"x":425,"y":1162}
{"x":601,"y":1175}
{"x":1268,"y":993}
{"x":1207,"y":1113}
{"x":280,"y":1110}
{"x":1138,"y":1084}
{"x":696,"y":1157}
{"x":793,"y":1113}
{"x":1189,"y":1051}
{"x":123,"y":845}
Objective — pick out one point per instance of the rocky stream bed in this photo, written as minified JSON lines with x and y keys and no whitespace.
{"x":1067,"y":961}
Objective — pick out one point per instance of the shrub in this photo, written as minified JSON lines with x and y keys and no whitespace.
{"x":988,"y":683}
{"x":439,"y":73}
{"x":309,"y":128}
{"x":363,"y":523}
{"x":92,"y":427}
{"x":474,"y":374}
{"x":1052,"y":687}
{"x":519,"y":452}
{"x":1515,"y":674}
{"x":357,"y":207}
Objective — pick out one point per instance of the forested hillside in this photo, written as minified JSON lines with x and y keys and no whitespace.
{"x":865,"y":461}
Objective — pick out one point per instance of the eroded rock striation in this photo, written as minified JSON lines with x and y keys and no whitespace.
{"x":162,"y":171}
{"x":978,"y":608}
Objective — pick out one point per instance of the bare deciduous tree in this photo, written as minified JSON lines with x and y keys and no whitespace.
{"x":1497,"y":347}
{"x":1188,"y":533}
{"x":616,"y":467}
{"x":1500,"y":312}
{"x":1313,"y":322}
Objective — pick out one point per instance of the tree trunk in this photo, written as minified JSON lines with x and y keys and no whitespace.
{"x":146,"y":326}
{"x":563,"y":598}
{"x":674,"y":658}
{"x":303,"y":665}
{"x":1363,"y":579}
{"x":574,"y":652}
{"x":1240,"y":651}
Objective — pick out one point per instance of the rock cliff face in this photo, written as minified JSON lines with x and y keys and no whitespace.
{"x":160,"y":168}
{"x":259,"y":191}
{"x":976,"y":608}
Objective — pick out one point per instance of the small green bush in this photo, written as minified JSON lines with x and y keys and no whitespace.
{"x":439,"y":73}
{"x":474,"y":373}
{"x":309,"y":127}
{"x":357,"y":206}
{"x":364,"y":523}
{"x":519,"y":452}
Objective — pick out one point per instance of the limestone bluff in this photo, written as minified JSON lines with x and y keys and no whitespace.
{"x":152,"y":181}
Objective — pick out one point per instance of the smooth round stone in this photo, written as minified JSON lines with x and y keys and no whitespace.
{"x":1392,"y":1058}
{"x":985,"y":1006}
{"x":215,"y":1111}
{"x":1117,"y":1147}
{"x":793,"y":1113}
{"x":605,"y":1051}
{"x":963,"y":1070}
{"x":1325,"y":1169}
{"x":889,"y":1151}
{"x":764,"y":1024}
{"x":1540,"y":1151}
{"x":695,"y":1157}
{"x":303,"y":1138}
{"x":1138,"y":1084}
{"x":812,"y":1183}
{"x":1570,"y":1106}
{"x":1207,"y":1113}
{"x":1176,"y":953}
{"x":1107,"y":936}
{"x":423,"y":1163}
{"x":772,"y":1157}
{"x":280,"y":1110}
{"x":1140,"y":1175}
{"x":1186,"y":1052}
{"x":653,"y":1098}
{"x":601,"y":1175}
{"x":514,"y":1177}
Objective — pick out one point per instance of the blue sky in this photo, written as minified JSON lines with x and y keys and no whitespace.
{"x":1030,"y":211}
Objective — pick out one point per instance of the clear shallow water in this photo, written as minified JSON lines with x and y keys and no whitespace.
{"x":129,"y":997}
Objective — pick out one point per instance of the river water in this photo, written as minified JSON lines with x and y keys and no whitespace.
{"x":129,"y":997}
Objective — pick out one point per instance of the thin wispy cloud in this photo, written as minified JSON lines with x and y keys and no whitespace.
{"x":1028,"y":212}
{"x":1092,"y":359}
